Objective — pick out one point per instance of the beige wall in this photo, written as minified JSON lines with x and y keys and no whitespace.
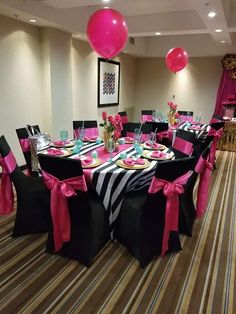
{"x":20,"y":79}
{"x":49,"y":79}
{"x":194,"y":88}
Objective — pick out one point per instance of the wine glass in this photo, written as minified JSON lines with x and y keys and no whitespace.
{"x":64,"y":136}
{"x":137,"y":135}
{"x":110,"y":146}
{"x":152,"y":138}
{"x":81,"y":132}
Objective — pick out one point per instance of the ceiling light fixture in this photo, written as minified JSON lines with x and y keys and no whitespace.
{"x":218,"y":30}
{"x":212,"y":14}
{"x":106,"y":1}
{"x":32,"y":21}
{"x":158,"y":33}
{"x":223,"y":41}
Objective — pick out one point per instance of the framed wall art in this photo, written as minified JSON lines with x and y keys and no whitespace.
{"x":108,"y":82}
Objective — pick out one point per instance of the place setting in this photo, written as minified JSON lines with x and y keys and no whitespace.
{"x":157,"y":155}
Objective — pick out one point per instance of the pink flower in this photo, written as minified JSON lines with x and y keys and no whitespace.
{"x":110,"y":119}
{"x":177,"y":115}
{"x":104,"y":115}
{"x":116,"y":135}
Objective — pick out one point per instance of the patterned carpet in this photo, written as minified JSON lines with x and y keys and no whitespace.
{"x":201,"y":279}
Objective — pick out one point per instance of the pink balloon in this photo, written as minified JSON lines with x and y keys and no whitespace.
{"x":107,"y":32}
{"x":176,"y":59}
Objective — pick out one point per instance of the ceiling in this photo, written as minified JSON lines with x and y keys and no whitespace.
{"x":182,"y":23}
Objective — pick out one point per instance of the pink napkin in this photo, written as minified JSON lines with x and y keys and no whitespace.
{"x":158,"y":155}
{"x":86,"y":161}
{"x":154,"y":145}
{"x":132,"y":162}
{"x":90,"y":138}
{"x":61,"y":143}
{"x":195,"y":127}
{"x":129,"y":139}
{"x":54,"y":151}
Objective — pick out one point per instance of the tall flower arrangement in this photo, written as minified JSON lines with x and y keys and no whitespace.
{"x":112,"y":125}
{"x":173,"y":114}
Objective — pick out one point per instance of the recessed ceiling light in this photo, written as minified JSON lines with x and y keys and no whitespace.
{"x":105,"y":7}
{"x":158,"y":33}
{"x":223,"y":41}
{"x":106,"y":1}
{"x":218,"y":30}
{"x":212,"y":14}
{"x":32,"y":21}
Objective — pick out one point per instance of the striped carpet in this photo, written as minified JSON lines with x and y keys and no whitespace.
{"x":201,"y":279}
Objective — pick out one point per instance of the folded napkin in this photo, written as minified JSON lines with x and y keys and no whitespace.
{"x":86,"y":161}
{"x":154,"y":145}
{"x":60,"y":143}
{"x":54,"y":151}
{"x":129,"y":139}
{"x":90,"y":138}
{"x":132,"y":162}
{"x":195,"y":127}
{"x":158,"y":155}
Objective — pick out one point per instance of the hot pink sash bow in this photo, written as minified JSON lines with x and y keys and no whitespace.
{"x":60,"y":191}
{"x":171,"y":190}
{"x":25,"y":144}
{"x":204,"y":167}
{"x":183,"y":146}
{"x":216,"y":136}
{"x":146,"y":117}
{"x":162,"y":134}
{"x":124,"y":119}
{"x":8,"y":164}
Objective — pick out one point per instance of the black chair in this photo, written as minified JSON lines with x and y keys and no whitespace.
{"x":147,"y":115}
{"x":184,"y":143}
{"x":161,"y":129}
{"x":91,"y":127}
{"x":33,"y":203}
{"x":185,"y":115}
{"x":124,"y":120}
{"x":23,"y":135}
{"x":88,"y":220}
{"x":141,"y":221}
{"x":129,"y":128}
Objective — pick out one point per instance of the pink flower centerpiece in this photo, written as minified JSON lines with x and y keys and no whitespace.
{"x":173,"y":114}
{"x":112,"y":127}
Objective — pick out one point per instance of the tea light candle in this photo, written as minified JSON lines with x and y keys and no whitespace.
{"x":123,"y":155}
{"x":121,"y":141}
{"x":94,"y":154}
{"x":98,"y":141}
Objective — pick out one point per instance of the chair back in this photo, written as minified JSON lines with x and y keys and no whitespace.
{"x":147,"y":115}
{"x":85,"y":223}
{"x":185,"y":116}
{"x":91,"y":128}
{"x":124,"y":117}
{"x":32,"y":215}
{"x":146,"y":129}
{"x":184,"y":142}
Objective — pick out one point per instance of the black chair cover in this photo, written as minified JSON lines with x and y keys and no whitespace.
{"x":187,"y":136}
{"x":33,"y":203}
{"x":131,"y":126}
{"x":87,"y":124}
{"x":142,"y":216}
{"x":89,"y":223}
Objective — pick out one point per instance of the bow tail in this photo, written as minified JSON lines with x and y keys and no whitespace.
{"x":171,"y":221}
{"x":202,"y":194}
{"x":6,"y":195}
{"x":61,"y":221}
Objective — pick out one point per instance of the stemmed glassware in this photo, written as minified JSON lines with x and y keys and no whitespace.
{"x":110,"y":146}
{"x":81,"y":132}
{"x":152,"y":138}
{"x":64,"y":136}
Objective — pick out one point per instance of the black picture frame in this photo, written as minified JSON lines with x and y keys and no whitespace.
{"x":108,"y":82}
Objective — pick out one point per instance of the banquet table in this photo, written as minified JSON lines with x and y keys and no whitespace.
{"x":201,"y":130}
{"x":112,"y":182}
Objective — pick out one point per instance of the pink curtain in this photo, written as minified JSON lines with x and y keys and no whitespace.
{"x":226,"y":88}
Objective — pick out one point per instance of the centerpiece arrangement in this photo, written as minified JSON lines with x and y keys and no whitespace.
{"x":112,"y":127}
{"x":172,"y":114}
